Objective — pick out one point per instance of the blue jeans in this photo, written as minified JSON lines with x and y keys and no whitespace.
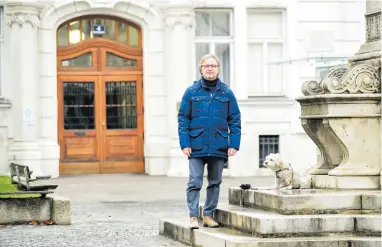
{"x":215,"y":169}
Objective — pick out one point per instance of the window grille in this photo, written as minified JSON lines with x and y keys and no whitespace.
{"x":267,"y":144}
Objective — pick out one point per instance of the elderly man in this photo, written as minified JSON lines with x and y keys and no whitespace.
{"x":209,"y":128}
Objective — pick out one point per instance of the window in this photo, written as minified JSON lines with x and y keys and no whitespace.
{"x":213,"y":35}
{"x":266,"y":38}
{"x":322,"y":67}
{"x":2,"y":42}
{"x":76,"y":31}
{"x":267,"y":144}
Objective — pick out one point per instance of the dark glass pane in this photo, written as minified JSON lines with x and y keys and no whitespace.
{"x":63,"y":36}
{"x":117,"y":61}
{"x":84,"y":60}
{"x":121,"y":105}
{"x":78,"y":105}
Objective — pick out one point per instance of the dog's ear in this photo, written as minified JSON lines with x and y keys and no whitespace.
{"x":277,"y":155}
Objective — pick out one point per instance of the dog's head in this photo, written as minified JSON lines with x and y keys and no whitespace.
{"x":273,"y":162}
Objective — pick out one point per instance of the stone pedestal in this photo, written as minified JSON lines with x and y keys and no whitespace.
{"x":341,"y":114}
{"x":23,"y":22}
{"x":180,"y":22}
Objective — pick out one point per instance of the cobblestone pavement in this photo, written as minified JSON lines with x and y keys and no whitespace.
{"x":115,"y":210}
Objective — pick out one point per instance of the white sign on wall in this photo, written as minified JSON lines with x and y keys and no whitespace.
{"x":28,"y":117}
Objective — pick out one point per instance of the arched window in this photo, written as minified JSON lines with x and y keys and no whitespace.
{"x":88,"y":27}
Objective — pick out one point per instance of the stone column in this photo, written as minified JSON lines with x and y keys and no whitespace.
{"x":370,"y":51}
{"x":179,"y":22}
{"x":23,"y":21}
{"x":4,"y":112}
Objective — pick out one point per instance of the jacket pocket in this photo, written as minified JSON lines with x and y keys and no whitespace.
{"x":198,"y":103}
{"x":196,"y":137}
{"x":222,"y":140}
{"x":221,"y":104}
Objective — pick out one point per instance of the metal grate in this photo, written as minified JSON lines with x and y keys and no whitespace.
{"x":78,"y":105}
{"x":121,"y":105}
{"x":267,"y":144}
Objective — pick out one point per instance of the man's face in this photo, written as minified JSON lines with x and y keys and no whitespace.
{"x":210,"y":69}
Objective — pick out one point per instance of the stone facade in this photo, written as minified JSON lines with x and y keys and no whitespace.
{"x":168,"y":27}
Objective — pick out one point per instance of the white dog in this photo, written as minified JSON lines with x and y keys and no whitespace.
{"x":286,"y":177}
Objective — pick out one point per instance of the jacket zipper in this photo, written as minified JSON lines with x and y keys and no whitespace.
{"x":210,"y":128}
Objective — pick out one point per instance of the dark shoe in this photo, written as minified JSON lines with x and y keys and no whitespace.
{"x":194,"y":223}
{"x":209,"y":222}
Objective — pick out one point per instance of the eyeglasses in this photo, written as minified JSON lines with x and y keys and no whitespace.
{"x":213,"y":66}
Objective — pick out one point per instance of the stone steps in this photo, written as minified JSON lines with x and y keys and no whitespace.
{"x":178,"y":230}
{"x":314,"y":201}
{"x":259,"y":222}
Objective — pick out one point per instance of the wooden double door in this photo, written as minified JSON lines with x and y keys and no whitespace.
{"x":100,"y":109}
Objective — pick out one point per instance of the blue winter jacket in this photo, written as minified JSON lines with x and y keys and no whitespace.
{"x":209,"y":122}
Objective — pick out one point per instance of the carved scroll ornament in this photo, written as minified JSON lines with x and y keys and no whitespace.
{"x":358,"y":79}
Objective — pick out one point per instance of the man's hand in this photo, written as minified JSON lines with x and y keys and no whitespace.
{"x":232,"y":152}
{"x":187,"y":151}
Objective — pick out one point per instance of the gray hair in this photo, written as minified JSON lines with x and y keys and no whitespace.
{"x":205,"y":57}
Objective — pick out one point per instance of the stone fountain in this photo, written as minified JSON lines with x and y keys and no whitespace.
{"x":342,"y":115}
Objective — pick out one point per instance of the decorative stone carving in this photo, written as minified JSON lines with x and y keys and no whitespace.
{"x":373,"y":22}
{"x":360,"y":78}
{"x":22,"y":18}
{"x":184,"y":18}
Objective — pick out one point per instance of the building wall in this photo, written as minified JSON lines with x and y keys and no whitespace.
{"x":290,"y":37}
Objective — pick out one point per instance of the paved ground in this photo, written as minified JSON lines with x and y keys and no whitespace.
{"x":115,"y":210}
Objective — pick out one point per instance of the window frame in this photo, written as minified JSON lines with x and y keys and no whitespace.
{"x":264,"y":43}
{"x":212,"y":41}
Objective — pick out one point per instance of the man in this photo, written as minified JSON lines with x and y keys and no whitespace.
{"x":207,"y":112}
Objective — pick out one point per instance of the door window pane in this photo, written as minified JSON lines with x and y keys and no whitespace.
{"x":84,"y":60}
{"x":87,"y":27}
{"x":122,"y":32}
{"x":109,"y":29}
{"x":63,"y":36}
{"x":117,"y":61}
{"x":121,"y":105}
{"x":133,"y":37}
{"x":201,"y":50}
{"x":74,"y":32}
{"x":223,"y":53}
{"x":78,"y":105}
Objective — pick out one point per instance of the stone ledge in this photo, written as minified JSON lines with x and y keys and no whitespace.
{"x":269,"y":224}
{"x":315,"y":201}
{"x":23,"y":210}
{"x":178,"y":230}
